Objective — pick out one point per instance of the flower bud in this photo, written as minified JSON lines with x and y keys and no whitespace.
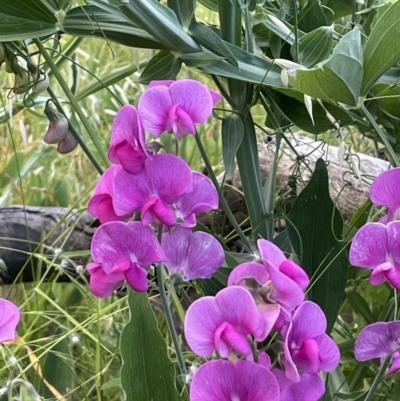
{"x":67,"y":145}
{"x":58,"y":127}
{"x":21,"y":83}
{"x":42,"y":83}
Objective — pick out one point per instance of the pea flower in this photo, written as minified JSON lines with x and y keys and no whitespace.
{"x":306,"y":344}
{"x":233,"y":381}
{"x":310,"y":387}
{"x":122,"y":251}
{"x":9,"y":319}
{"x":101,"y":203}
{"x":222,"y":323}
{"x":204,"y":197}
{"x":164,"y":179}
{"x":380,"y":340}
{"x":376,"y":246}
{"x":127,"y":143}
{"x":192,"y":254}
{"x":385,"y":191}
{"x":176,"y":106}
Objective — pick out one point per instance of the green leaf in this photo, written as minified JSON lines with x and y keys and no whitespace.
{"x":60,"y":193}
{"x":360,"y":306}
{"x":232,"y":136}
{"x":335,"y":9}
{"x":216,"y":283}
{"x":184,"y":10}
{"x":339,"y":79}
{"x":58,"y":368}
{"x":315,"y":47}
{"x":164,"y":65}
{"x":315,"y":227}
{"x":107,"y":23}
{"x":391,"y":103}
{"x":161,"y":23}
{"x":382,"y":50}
{"x":147,"y":373}
{"x":200,"y":59}
{"x":28,"y":10}
{"x":211,"y":4}
{"x":211,"y":41}
{"x":311,"y":16}
{"x":116,"y":382}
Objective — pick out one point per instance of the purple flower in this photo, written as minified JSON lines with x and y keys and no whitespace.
{"x":377,"y":246}
{"x":306,"y":344}
{"x":203,"y":197}
{"x":101,"y":203}
{"x":379,"y":340}
{"x":9,"y":319}
{"x":234,"y":381}
{"x":310,"y":387}
{"x":385,"y":191}
{"x":164,"y":179}
{"x":58,"y":127}
{"x":122,"y":251}
{"x":175,"y":106}
{"x":67,"y":144}
{"x":223,"y":322}
{"x":127,"y":143}
{"x":195,"y":254}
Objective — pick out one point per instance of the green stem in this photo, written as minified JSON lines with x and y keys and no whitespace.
{"x":222,"y":199}
{"x":381,"y":133}
{"x":378,"y":379}
{"x":168,"y":313}
{"x":75,"y":133}
{"x":73,"y":101}
{"x":296,"y":31}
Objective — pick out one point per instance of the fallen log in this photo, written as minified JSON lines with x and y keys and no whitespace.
{"x":31,"y":237}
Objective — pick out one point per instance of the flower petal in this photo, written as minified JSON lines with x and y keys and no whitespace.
{"x":248,"y":270}
{"x":9,"y":319}
{"x":270,"y":252}
{"x":137,"y":278}
{"x":295,"y":272}
{"x":153,"y":108}
{"x":329,"y":353}
{"x":385,"y":190}
{"x":227,"y":381}
{"x":369,"y":246}
{"x":101,"y":284}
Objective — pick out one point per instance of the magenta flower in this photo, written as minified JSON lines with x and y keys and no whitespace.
{"x":222,"y":323}
{"x":379,"y":340}
{"x":376,"y":246}
{"x":306,"y":345}
{"x":310,"y":387}
{"x":233,"y":381}
{"x":122,"y":251}
{"x":203,"y":197}
{"x":175,"y":106}
{"x":164,"y":179}
{"x":385,"y":191}
{"x":127,"y":143}
{"x":193,"y":254}
{"x":101,"y":203}
{"x":9,"y":319}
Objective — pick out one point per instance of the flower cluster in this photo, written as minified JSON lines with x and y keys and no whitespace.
{"x":260,"y":298}
{"x":376,"y":246}
{"x":160,"y":190}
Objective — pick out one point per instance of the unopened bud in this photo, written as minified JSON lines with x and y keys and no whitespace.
{"x":58,"y":127}
{"x":42,"y":83}
{"x":21,"y":83}
{"x":67,"y":145}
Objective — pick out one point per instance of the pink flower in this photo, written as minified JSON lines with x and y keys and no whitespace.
{"x":377,"y":247}
{"x":233,"y":381}
{"x":101,"y":203}
{"x":194,"y":254}
{"x":164,"y":179}
{"x":306,"y":345}
{"x":9,"y":319}
{"x":379,"y":340}
{"x":127,"y":143}
{"x":309,"y":388}
{"x":176,"y":106}
{"x":385,"y":191}
{"x":222,"y":323}
{"x":122,"y":251}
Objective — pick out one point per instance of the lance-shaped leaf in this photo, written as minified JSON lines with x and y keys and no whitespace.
{"x":382,"y":49}
{"x":161,"y":23}
{"x":164,"y":65}
{"x":184,"y":10}
{"x":232,"y":136}
{"x":390,"y":98}
{"x":340,"y":78}
{"x":147,"y":373}
{"x":316,"y":242}
{"x":311,"y":16}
